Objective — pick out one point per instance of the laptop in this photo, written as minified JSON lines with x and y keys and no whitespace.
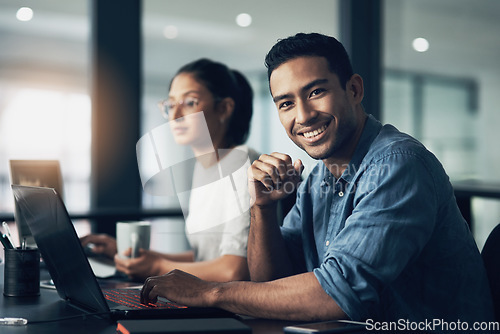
{"x":39,"y":173}
{"x":45,"y":214}
{"x":47,"y":173}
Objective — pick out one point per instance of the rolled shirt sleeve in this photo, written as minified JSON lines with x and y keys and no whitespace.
{"x":391,"y":222}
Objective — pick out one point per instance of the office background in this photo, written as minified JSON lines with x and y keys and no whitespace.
{"x":61,"y":97}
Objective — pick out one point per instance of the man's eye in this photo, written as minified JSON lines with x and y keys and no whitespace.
{"x":317,"y":91}
{"x":285,"y":105}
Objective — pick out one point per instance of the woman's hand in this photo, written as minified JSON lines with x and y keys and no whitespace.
{"x":148,"y":263}
{"x":100,"y":244}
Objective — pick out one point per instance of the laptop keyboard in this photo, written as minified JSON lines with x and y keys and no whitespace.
{"x":131,"y":298}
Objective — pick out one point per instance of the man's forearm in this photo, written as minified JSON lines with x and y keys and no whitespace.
{"x":267,"y":256}
{"x":298,"y":297}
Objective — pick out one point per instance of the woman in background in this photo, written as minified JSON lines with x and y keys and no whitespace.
{"x":209,"y":91}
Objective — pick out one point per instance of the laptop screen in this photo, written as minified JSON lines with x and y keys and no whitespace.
{"x":37,"y":173}
{"x":45,"y":214}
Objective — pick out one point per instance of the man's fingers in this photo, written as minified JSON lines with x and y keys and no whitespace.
{"x":283,"y":164}
{"x":270,"y":175}
{"x":298,"y":166}
{"x":263,"y":172}
{"x":152,"y":295}
{"x":151,"y":289}
{"x":276,"y":168}
{"x":146,"y":288}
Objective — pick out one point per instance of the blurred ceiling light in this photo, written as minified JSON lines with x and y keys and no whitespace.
{"x":420,"y":44}
{"x":24,"y":14}
{"x":170,"y":32}
{"x":243,"y":20}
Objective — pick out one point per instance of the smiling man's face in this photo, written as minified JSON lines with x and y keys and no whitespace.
{"x":318,"y":114}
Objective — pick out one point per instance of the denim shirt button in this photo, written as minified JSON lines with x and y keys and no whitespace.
{"x":327,"y":242}
{"x":341,"y":193}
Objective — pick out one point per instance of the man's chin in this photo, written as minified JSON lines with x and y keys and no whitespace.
{"x":317,"y":155}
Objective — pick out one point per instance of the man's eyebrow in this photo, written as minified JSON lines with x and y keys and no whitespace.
{"x":305,"y":88}
{"x":281,"y":97}
{"x":314,"y":83}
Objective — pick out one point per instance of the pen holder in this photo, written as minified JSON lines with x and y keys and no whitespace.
{"x":22,"y":272}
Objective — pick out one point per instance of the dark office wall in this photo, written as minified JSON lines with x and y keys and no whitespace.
{"x":116,"y":93}
{"x":361,"y":34}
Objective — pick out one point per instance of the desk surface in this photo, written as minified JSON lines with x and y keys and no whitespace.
{"x":49,"y":306}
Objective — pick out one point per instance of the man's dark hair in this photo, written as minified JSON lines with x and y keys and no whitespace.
{"x":224,"y":82}
{"x":313,"y":45}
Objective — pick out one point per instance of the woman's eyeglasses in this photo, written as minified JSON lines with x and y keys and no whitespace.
{"x":189,"y":105}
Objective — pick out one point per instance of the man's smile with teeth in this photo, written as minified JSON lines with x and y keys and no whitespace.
{"x":315,"y":132}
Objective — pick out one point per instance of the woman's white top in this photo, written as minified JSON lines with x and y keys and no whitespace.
{"x":219,"y":206}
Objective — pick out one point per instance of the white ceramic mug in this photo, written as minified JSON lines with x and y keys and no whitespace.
{"x":132,"y":234}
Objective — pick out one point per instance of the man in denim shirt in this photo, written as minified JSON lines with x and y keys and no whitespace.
{"x":375,"y":233}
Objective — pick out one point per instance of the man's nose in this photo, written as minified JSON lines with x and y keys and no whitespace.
{"x":305,"y":113}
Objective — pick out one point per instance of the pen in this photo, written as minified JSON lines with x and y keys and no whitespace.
{"x":7,"y":233}
{"x":13,"y":321}
{"x":5,"y":242}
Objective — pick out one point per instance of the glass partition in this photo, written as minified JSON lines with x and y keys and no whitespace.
{"x":238,"y":33}
{"x":177,"y":32}
{"x":441,"y":85}
{"x":44,"y":100}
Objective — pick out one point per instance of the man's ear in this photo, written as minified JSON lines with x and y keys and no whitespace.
{"x":355,"y":88}
{"x":225,"y":109}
